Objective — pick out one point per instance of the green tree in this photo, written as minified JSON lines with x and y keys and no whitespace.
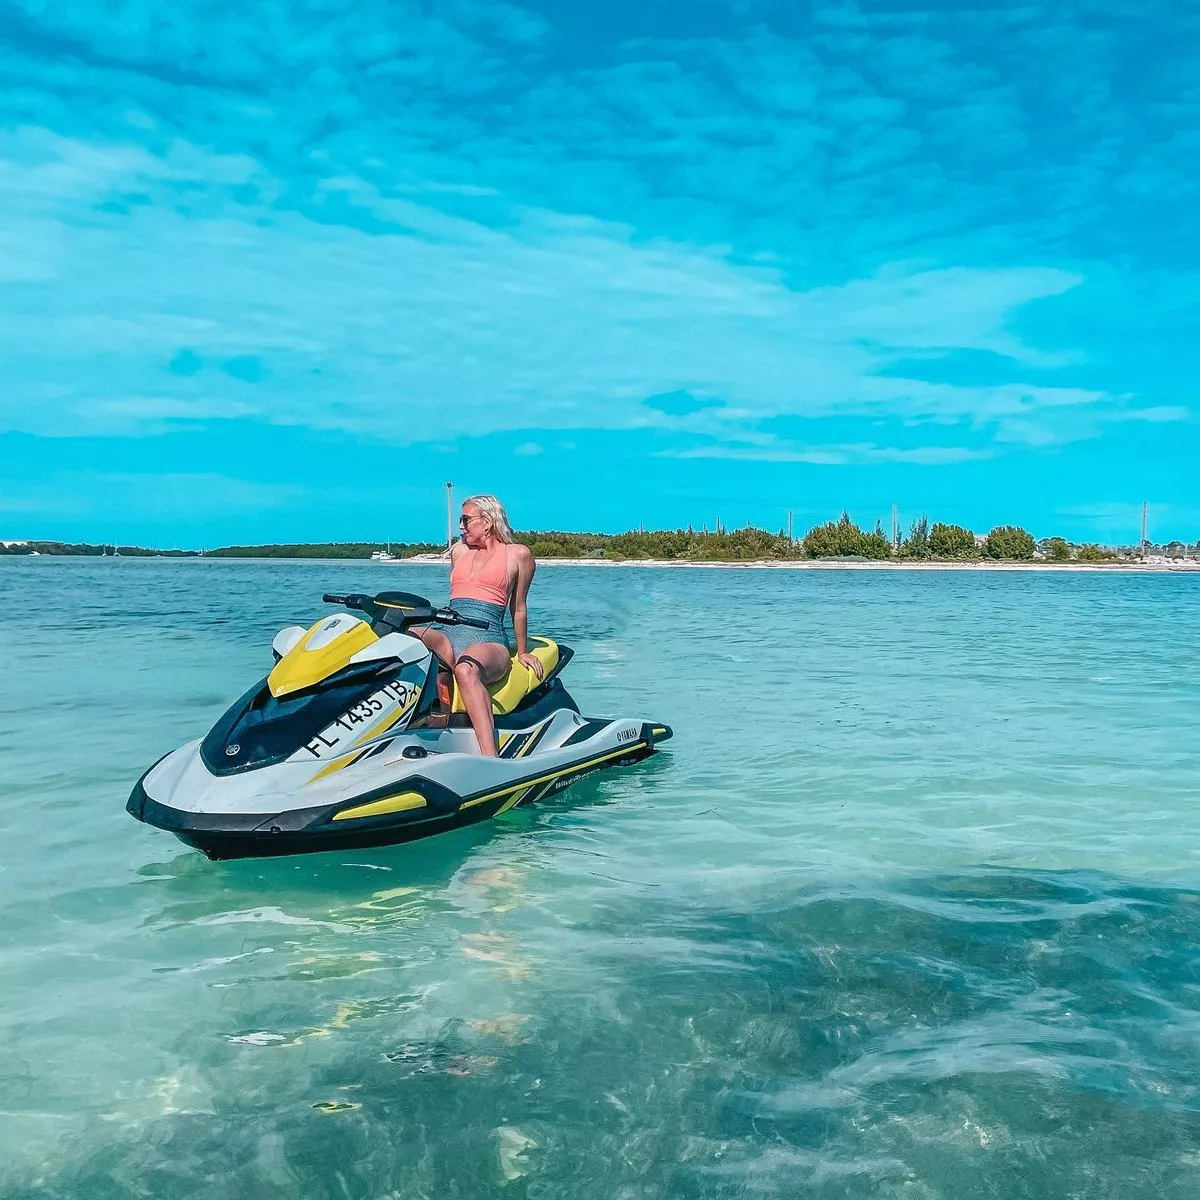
{"x":877,"y":544}
{"x":916,"y":545}
{"x":838,"y":539}
{"x":952,"y":541}
{"x":1092,"y":553}
{"x":749,"y":544}
{"x":1056,"y":549}
{"x":1009,"y":541}
{"x":552,"y":547}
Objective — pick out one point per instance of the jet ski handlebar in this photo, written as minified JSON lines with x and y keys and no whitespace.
{"x":402,"y":616}
{"x":351,"y":600}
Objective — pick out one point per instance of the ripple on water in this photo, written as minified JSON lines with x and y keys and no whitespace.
{"x":909,"y":910}
{"x":854,"y":1040}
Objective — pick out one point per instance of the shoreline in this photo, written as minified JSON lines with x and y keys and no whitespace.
{"x":1162,"y":567}
{"x":826,"y":564}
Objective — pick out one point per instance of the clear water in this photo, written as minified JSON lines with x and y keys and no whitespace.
{"x":909,"y":908}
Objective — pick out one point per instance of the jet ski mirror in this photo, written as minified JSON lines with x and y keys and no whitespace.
{"x":285,"y":639}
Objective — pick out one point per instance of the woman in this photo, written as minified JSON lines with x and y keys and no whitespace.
{"x":489,"y":573}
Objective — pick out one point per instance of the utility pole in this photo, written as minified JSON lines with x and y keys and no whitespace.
{"x":895,"y":529}
{"x":1144,"y":538}
{"x":449,"y":515}
{"x":790,"y":541}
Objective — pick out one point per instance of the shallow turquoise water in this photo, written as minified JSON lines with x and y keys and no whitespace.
{"x":909,"y":907}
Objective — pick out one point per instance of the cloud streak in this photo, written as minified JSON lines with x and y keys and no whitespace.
{"x":557,"y":320}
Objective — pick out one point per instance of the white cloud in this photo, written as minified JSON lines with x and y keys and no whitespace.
{"x":557,"y":320}
{"x":169,"y":496}
{"x":836,"y":454}
{"x":1157,"y":415}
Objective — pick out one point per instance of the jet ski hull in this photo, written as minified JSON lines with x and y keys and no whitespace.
{"x":407,"y":808}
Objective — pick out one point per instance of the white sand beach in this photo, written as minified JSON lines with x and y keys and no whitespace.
{"x":1149,"y":565}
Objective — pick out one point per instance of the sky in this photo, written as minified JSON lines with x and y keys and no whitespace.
{"x":276,"y":270}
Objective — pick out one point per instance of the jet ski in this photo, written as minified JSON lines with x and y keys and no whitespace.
{"x":358,"y":737}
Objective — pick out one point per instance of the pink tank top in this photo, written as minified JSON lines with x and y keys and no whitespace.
{"x":490,"y":585}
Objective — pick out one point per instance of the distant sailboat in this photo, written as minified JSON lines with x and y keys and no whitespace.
{"x":383,"y":555}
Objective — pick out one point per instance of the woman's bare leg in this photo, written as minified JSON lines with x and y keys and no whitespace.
{"x":479,"y":665}
{"x":438,"y":642}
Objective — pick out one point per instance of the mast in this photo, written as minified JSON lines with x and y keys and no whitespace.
{"x":449,"y":515}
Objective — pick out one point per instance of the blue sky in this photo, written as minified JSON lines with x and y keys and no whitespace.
{"x":274,"y":271}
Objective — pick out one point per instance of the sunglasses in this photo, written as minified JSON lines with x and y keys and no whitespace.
{"x":465,"y":521}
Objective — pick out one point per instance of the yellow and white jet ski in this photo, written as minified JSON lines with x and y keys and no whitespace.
{"x":355,"y":739}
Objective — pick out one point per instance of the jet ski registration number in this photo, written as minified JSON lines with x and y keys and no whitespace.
{"x":377,"y":713}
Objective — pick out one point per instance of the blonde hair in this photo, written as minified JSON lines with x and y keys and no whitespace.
{"x":491,"y":508}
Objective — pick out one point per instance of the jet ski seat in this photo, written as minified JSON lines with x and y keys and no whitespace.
{"x":507,"y":693}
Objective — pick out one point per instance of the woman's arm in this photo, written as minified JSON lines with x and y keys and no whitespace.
{"x":520,"y":610}
{"x":455,"y":551}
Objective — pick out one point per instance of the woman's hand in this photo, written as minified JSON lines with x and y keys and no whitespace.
{"x":532,"y":663}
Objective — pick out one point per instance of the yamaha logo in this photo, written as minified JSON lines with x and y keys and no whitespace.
{"x":233,"y":749}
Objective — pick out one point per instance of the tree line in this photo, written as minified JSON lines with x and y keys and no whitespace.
{"x":840,"y":539}
{"x":325,"y":550}
{"x":89,"y":550}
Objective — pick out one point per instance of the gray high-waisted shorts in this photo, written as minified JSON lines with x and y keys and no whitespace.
{"x":462,"y":636}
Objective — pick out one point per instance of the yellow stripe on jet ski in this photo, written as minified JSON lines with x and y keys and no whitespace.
{"x":524,"y":783}
{"x":406,"y":801}
{"x":347,"y":758}
{"x":532,"y":740}
{"x":403,"y":802}
{"x":334,"y":767}
{"x":520,"y":795}
{"x":387,"y":721}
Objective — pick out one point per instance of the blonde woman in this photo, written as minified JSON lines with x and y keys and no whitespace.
{"x":490,"y":574}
